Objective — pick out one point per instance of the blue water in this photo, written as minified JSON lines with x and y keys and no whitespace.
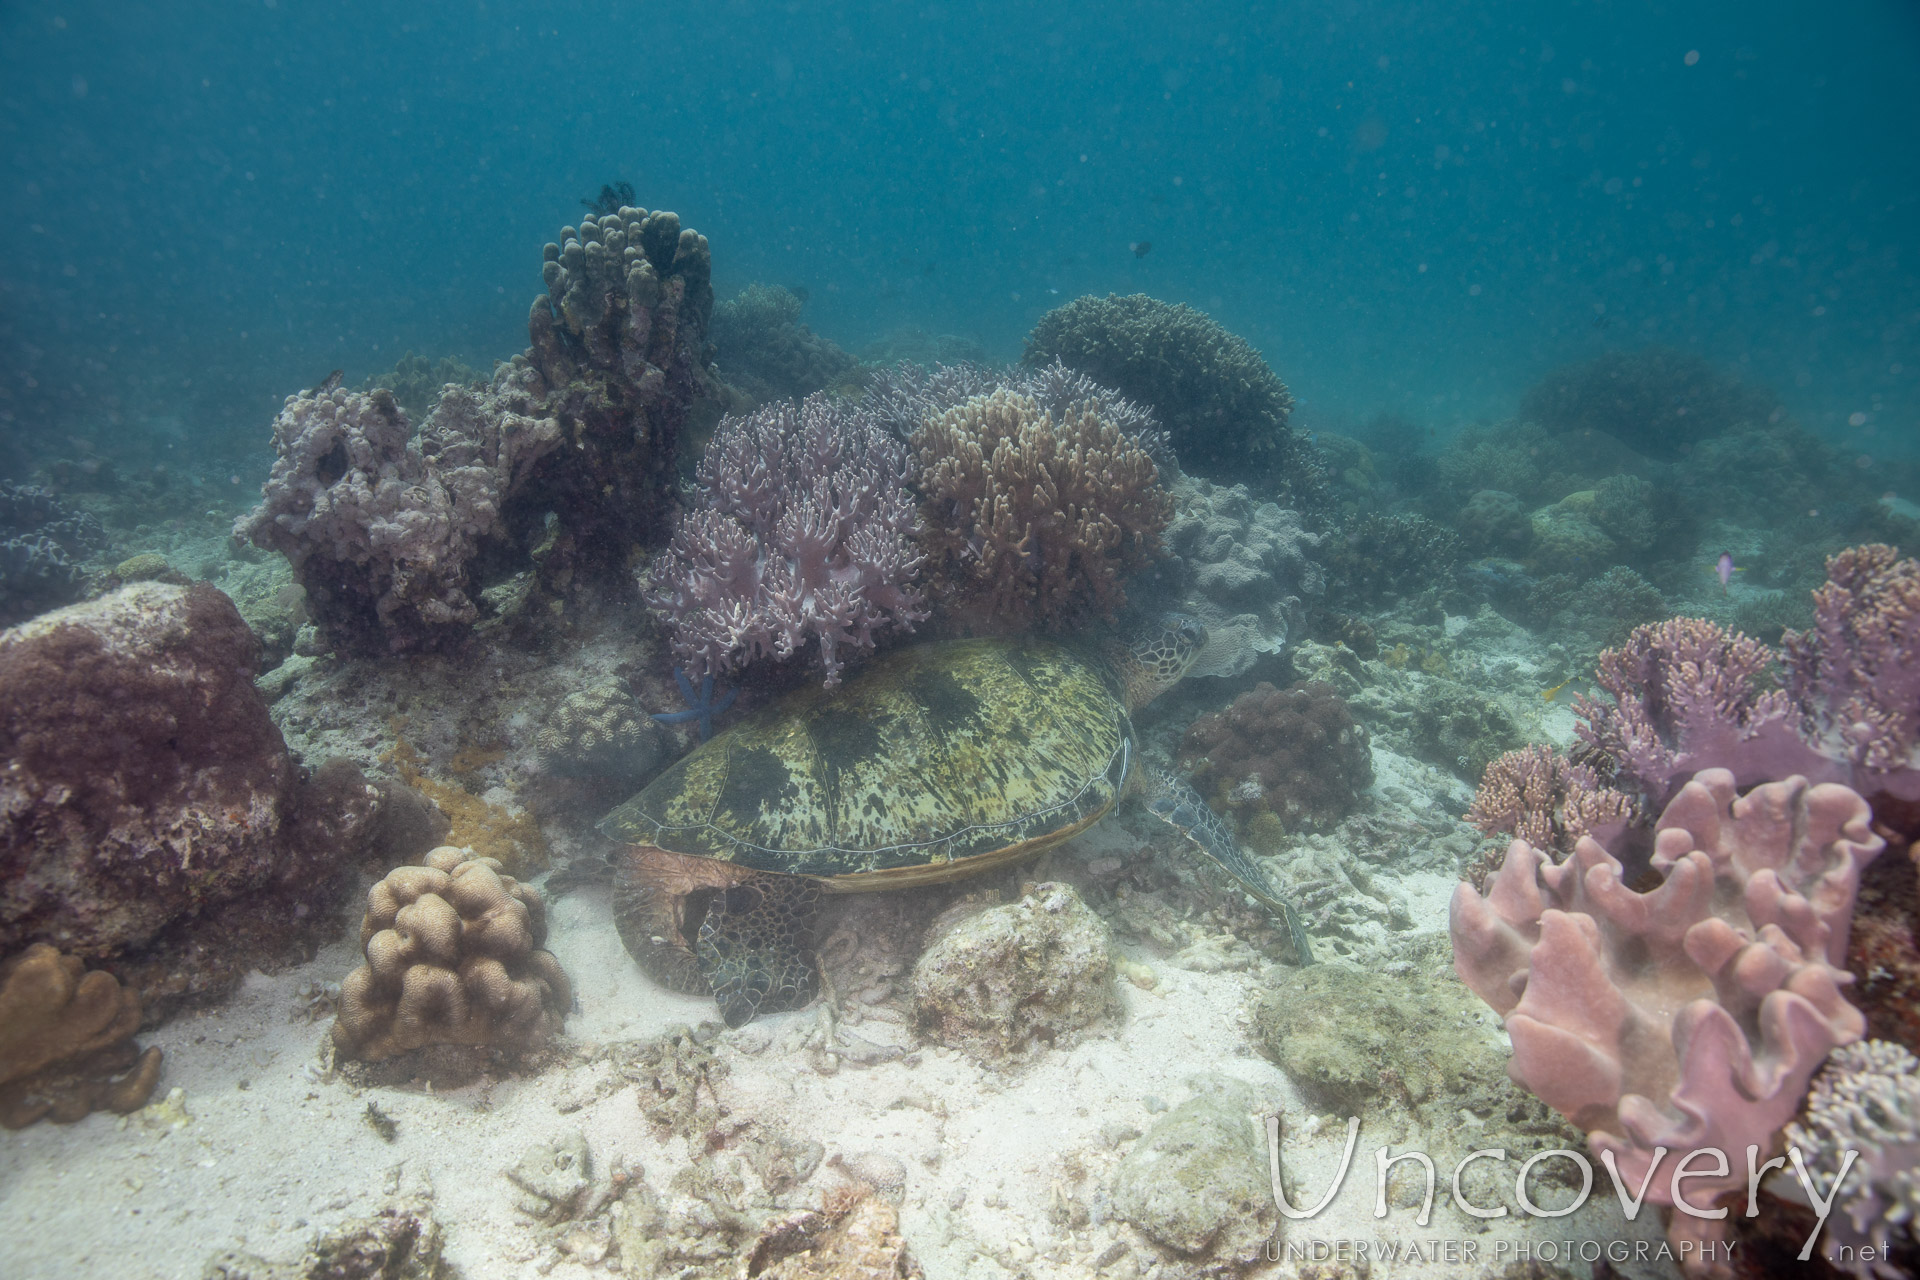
{"x":1415,"y":208}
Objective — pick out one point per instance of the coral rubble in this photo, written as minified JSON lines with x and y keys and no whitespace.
{"x":1196,"y":1182}
{"x":66,"y":1041}
{"x":1001,"y":982}
{"x":453,"y":957}
{"x":1033,"y":519}
{"x":803,"y":537}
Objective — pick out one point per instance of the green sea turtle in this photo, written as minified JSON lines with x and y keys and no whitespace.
{"x":937,"y":762}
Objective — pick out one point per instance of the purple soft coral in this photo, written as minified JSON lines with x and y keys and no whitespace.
{"x":805,"y":532}
{"x":1855,"y":674}
{"x":1688,"y":696}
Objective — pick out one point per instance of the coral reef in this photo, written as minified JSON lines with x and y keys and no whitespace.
{"x":762,"y":348}
{"x":453,"y":957}
{"x":1295,"y":753}
{"x":1566,"y":540}
{"x":1196,"y":1182}
{"x":401,"y":1241}
{"x":416,"y":383}
{"x":66,"y":1041}
{"x":1855,"y":674}
{"x":1543,"y":798}
{"x":381,"y":529}
{"x":1223,"y":407}
{"x":1242,"y":566}
{"x":1003,"y":982}
{"x":1625,"y":510}
{"x":803,"y":537}
{"x":1692,"y":1015}
{"x":1379,"y":558}
{"x":509,"y":836}
{"x":601,"y":732}
{"x":1865,"y":1101}
{"x":1657,"y":400}
{"x":1033,"y":519}
{"x":1494,"y":523}
{"x":41,"y":545}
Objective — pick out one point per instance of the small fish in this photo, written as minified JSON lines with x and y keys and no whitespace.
{"x":1724,"y":569}
{"x":1548,"y":695}
{"x":329,"y":385}
{"x":1141,"y":248}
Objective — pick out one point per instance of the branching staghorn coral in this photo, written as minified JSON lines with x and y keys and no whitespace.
{"x":804,"y":533}
{"x":1033,"y":519}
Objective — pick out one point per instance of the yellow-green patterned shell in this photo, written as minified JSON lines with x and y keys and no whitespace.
{"x":935,"y":762}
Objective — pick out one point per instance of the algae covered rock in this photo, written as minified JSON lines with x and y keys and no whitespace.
{"x":1355,"y":1040}
{"x":1005,"y":981}
{"x":1197,"y":1182}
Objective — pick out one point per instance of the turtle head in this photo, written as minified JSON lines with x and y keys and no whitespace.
{"x":1152,"y":660}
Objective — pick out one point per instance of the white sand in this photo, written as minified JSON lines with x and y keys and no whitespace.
{"x":273,"y":1153}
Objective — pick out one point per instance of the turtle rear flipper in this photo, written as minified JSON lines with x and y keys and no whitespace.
{"x":755,"y":946}
{"x":1179,"y":805}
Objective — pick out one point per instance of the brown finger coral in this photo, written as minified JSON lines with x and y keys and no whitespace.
{"x":1033,"y":518}
{"x":1294,"y":753}
{"x":453,"y":957}
{"x":66,"y":1041}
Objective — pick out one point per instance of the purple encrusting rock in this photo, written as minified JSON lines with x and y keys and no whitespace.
{"x":143,"y":776}
{"x":804,"y":532}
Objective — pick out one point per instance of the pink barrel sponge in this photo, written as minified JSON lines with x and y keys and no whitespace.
{"x":1691,"y":1015}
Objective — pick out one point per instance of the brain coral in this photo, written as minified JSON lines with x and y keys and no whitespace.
{"x":1222,"y":405}
{"x":1296,"y":753}
{"x":1033,"y":518}
{"x":452,"y":958}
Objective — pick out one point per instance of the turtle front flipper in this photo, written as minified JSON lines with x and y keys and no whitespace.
{"x":755,"y":946}
{"x":1179,"y":805}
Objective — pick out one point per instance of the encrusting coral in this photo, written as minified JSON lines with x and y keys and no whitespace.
{"x":1034,"y":519}
{"x":66,"y":1041}
{"x":1295,"y":753}
{"x":1244,"y":567}
{"x":1692,"y":1015}
{"x":453,"y":957}
{"x":381,"y":528}
{"x":804,"y":533}
{"x":144,"y":781}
